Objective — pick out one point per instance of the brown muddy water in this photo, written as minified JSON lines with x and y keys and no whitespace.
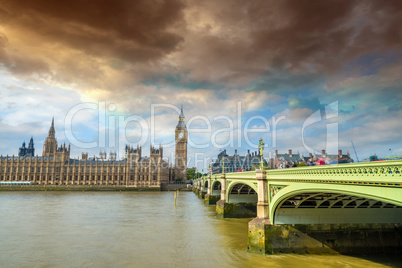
{"x":135,"y":229}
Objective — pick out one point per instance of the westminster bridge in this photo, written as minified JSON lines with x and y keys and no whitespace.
{"x":346,"y":208}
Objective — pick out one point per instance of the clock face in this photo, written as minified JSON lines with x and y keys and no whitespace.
{"x":181,"y":135}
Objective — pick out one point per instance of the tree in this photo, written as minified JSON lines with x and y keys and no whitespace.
{"x":190,"y":174}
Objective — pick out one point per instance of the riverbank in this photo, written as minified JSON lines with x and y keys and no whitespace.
{"x":81,"y":188}
{"x":76,"y":188}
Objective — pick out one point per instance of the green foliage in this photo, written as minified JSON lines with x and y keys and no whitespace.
{"x":191,"y":174}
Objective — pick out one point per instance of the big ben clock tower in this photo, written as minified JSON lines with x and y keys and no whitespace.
{"x":181,"y":148}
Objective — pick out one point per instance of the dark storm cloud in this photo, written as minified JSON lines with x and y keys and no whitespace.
{"x":130,"y":30}
{"x":19,"y":63}
{"x":224,"y":43}
{"x":311,"y":35}
{"x":306,"y":36}
{"x":3,"y":45}
{"x":322,"y":36}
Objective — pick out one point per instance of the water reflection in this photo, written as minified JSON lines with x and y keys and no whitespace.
{"x":133,"y":229}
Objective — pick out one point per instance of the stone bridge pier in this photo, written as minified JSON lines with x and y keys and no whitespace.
{"x":259,"y":228}
{"x":212,"y":196}
{"x":195,"y":187}
{"x":203,"y":188}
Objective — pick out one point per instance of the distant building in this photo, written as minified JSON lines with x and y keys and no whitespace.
{"x":339,"y":158}
{"x":288,"y":158}
{"x":236,"y":163}
{"x":281,"y":160}
{"x":30,"y":151}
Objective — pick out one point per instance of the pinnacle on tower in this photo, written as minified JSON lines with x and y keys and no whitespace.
{"x":51,"y":130}
{"x":31,"y":143}
{"x":182,"y":120}
{"x":181,"y":111}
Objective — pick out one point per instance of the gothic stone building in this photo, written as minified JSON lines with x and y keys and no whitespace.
{"x":55,"y":167}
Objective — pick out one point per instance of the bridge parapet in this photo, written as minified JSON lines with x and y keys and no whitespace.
{"x":384,"y":173}
{"x":385,"y":170}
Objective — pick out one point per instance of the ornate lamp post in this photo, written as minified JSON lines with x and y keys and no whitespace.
{"x":261,"y":148}
{"x":223,"y":164}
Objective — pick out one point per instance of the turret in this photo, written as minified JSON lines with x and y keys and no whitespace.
{"x":52,"y":132}
{"x":31,"y":143}
{"x":22,"y":151}
{"x":133,"y":153}
{"x":102,"y":155}
{"x":50,"y":145}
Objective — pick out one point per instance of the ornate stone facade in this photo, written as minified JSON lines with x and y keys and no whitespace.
{"x":55,"y":167}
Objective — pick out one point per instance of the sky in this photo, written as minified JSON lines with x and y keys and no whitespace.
{"x":304,"y":75}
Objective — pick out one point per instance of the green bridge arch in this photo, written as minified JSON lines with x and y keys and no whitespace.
{"x":391,"y":212}
{"x":244,"y":194}
{"x":216,"y":187}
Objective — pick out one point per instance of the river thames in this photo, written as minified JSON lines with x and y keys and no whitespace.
{"x":135,"y":229}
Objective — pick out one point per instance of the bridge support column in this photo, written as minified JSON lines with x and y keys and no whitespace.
{"x":209,"y":198}
{"x":258,"y":228}
{"x":201,"y":194}
{"x":262,"y":205}
{"x":209,"y":185}
{"x":195,"y":187}
{"x":220,"y":205}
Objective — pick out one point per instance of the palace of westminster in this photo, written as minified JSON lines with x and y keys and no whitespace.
{"x":55,"y":167}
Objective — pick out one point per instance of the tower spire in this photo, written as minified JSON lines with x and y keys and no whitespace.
{"x":50,"y":145}
{"x":51,"y":130}
{"x":181,"y":112}
{"x":31,"y":143}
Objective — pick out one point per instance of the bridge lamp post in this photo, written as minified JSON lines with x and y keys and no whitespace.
{"x":262,"y":183}
{"x":209,"y":180}
{"x":223,"y":164}
{"x":261,"y":148}
{"x":223,"y":182}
